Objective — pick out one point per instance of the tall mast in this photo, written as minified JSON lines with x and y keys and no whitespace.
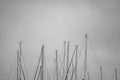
{"x":66,"y":76}
{"x":20,"y":58}
{"x":76,"y":63}
{"x":88,"y":76}
{"x":85,"y":66}
{"x":115,"y":73}
{"x":56,"y":66}
{"x":68,"y":54}
{"x":67,"y":57}
{"x":64,"y":59}
{"x":72,"y":70}
{"x":18,"y":65}
{"x":101,"y":72}
{"x":19,"y":61}
{"x":42,"y":66}
{"x":38,"y":66}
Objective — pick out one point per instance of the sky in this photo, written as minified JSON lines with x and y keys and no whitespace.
{"x":51,"y":22}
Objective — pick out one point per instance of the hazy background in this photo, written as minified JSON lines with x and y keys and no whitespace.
{"x":52,"y":22}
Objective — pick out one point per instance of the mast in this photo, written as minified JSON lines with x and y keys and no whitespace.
{"x":38,"y":66}
{"x":23,"y":72}
{"x":76,"y":63}
{"x":66,"y":76}
{"x":17,"y":65}
{"x":72,"y":70}
{"x":64,"y":59}
{"x":88,"y":75}
{"x":19,"y":61}
{"x":115,"y":73}
{"x":42,"y":66}
{"x":67,"y":58}
{"x":67,"y":54}
{"x":56,"y":66}
{"x":20,"y":58}
{"x":85,"y":66}
{"x":101,"y":72}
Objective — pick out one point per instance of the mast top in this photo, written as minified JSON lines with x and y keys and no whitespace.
{"x":86,"y":35}
{"x":20,"y":42}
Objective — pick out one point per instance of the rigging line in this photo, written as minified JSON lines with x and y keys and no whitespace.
{"x":72,"y":74}
{"x":60,"y":73}
{"x":39,"y":73}
{"x":61,"y":66}
{"x":11,"y":67}
{"x":64,"y":56}
{"x":54,"y":68}
{"x":25,"y":66}
{"x":76,"y":62}
{"x":45,"y":66}
{"x":82,"y":71}
{"x":37,"y":66}
{"x":70,"y":63}
{"x":59,"y":59}
{"x":42,"y":63}
{"x":23,"y":72}
{"x":81,"y":54}
{"x":81,"y":49}
{"x":10,"y":73}
{"x":94,"y":54}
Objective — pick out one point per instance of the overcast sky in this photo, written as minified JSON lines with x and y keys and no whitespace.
{"x":51,"y":23}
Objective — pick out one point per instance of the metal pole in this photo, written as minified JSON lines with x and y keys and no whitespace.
{"x":68,"y":54}
{"x":116,"y":73}
{"x":56,"y":66}
{"x":76,"y":63}
{"x":19,"y":60}
{"x":101,"y":72}
{"x":42,"y":75}
{"x":88,"y":76}
{"x":17,"y":65}
{"x":64,"y":59}
{"x":85,"y":66}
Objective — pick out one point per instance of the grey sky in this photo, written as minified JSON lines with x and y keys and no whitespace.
{"x":52,"y":22}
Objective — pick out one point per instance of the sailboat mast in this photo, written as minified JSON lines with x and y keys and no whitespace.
{"x":64,"y":59}
{"x":115,"y":73}
{"x":85,"y":66}
{"x":101,"y":72}
{"x":17,"y":65}
{"x":56,"y":66}
{"x":76,"y":63}
{"x":88,"y":76}
{"x":42,"y":66}
{"x":67,"y":57}
{"x":19,"y":61}
{"x":20,"y":58}
{"x":68,"y":54}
